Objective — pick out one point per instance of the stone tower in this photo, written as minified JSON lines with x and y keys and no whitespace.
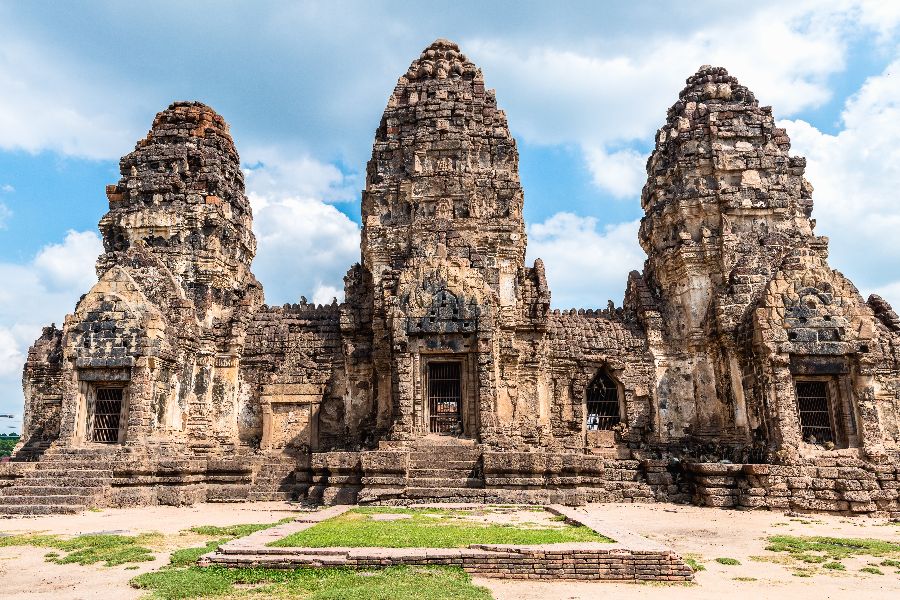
{"x":160,"y":334}
{"x":443,"y":239}
{"x":181,"y":197}
{"x":727,"y":214}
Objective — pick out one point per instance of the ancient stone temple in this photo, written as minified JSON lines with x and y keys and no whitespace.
{"x":740,"y":370}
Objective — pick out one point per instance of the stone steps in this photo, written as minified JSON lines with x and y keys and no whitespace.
{"x":443,"y":494}
{"x":27,"y":489}
{"x":449,"y":483}
{"x":64,"y":480}
{"x":48,"y":499}
{"x":438,"y":473}
{"x":33,"y":510}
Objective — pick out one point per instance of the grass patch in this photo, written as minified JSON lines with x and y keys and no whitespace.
{"x":834,"y":566}
{"x":428,"y":528}
{"x":189,"y":556}
{"x":112,"y":550}
{"x":728,"y":561}
{"x":872,"y":570}
{"x":890,"y":563}
{"x":236,"y":531}
{"x":743,"y":578}
{"x":694,"y":565}
{"x":419,"y":583}
{"x":829,"y":547}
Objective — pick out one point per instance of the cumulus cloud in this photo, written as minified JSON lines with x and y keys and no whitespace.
{"x":855,"y":174}
{"x":276,"y":172}
{"x":48,"y":104}
{"x":304,"y":248}
{"x":621,"y":173}
{"x":35,"y":294}
{"x":586,"y":264}
{"x":304,"y":244}
{"x":11,"y":356}
{"x":604,"y":97}
{"x":7,"y":189}
{"x":70,"y":264}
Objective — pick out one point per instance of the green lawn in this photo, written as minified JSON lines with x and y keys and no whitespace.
{"x":429,"y":528}
{"x":409,"y":583}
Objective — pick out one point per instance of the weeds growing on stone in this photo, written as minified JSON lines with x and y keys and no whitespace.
{"x":694,"y":564}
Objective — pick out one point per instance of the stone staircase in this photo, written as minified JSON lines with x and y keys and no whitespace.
{"x":445,"y":473}
{"x":277,"y":479}
{"x":64,"y":480}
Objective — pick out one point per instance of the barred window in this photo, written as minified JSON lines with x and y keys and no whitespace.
{"x":602,"y":403}
{"x":814,"y":406}
{"x":107,"y":414}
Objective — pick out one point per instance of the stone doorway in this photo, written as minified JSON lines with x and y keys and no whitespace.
{"x":815,"y":410}
{"x":105,"y":423}
{"x":445,"y":397}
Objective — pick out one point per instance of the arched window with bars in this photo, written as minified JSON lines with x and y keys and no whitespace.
{"x":603,"y":411}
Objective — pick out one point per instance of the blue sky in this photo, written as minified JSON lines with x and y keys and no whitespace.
{"x":303,"y":84}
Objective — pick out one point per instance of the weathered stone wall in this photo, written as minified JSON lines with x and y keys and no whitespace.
{"x":42,"y":382}
{"x":736,"y":303}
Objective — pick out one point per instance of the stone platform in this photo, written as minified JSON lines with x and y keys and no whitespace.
{"x":630,"y":558}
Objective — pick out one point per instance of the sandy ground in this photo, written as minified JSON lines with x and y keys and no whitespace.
{"x":703,"y":533}
{"x":25,"y":574}
{"x":707,"y":534}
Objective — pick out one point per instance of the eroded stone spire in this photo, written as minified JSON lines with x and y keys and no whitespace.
{"x":181,"y":197}
{"x":440,"y":60}
{"x":443,"y":177}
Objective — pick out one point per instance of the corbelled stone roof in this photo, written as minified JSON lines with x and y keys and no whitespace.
{"x":710,"y":84}
{"x":440,"y":60}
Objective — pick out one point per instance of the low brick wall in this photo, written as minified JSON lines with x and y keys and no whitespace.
{"x":546,"y":562}
{"x":630,"y":558}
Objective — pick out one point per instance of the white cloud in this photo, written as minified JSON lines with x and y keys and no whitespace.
{"x":855,"y":174}
{"x":11,"y":356}
{"x":585,"y":265}
{"x":7,"y":189}
{"x":602,"y":97}
{"x":5,"y":215}
{"x":304,"y":245}
{"x":275,"y":172}
{"x":36,"y":294}
{"x":52,"y":102}
{"x":326,"y":294}
{"x":621,"y":173}
{"x":70,"y":265}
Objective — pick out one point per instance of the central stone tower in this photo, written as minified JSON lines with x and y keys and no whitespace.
{"x":443,"y":243}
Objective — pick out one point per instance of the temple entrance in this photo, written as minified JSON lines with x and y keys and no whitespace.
{"x":106,"y":416}
{"x":444,"y":397}
{"x":814,"y":407}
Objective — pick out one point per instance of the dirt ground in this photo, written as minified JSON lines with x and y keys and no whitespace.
{"x":704,"y":534}
{"x":707,"y":534}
